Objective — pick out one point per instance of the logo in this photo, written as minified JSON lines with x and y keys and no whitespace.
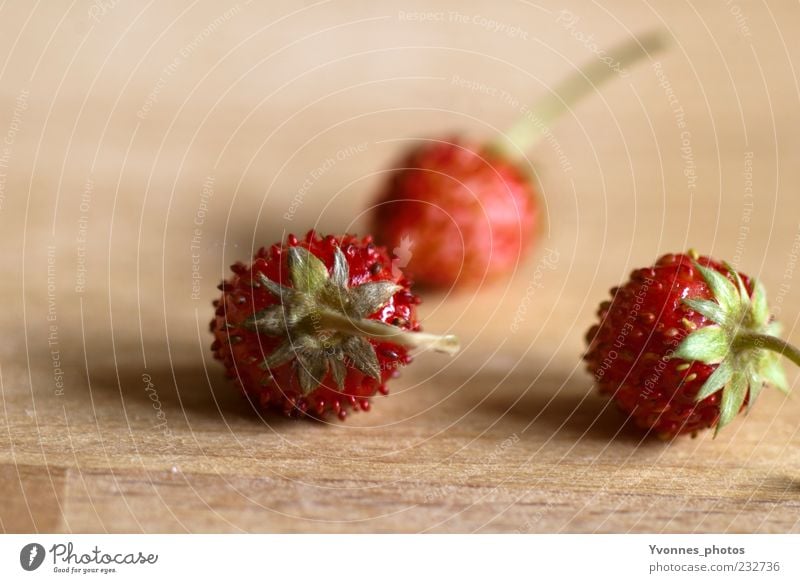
{"x":31,"y":556}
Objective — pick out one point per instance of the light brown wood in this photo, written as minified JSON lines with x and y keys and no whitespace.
{"x":127,"y":125}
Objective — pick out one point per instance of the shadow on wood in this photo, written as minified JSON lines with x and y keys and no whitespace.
{"x":197,"y":394}
{"x":549,"y":401}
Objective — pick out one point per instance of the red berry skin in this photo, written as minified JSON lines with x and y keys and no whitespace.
{"x":242,"y":350}
{"x":469,"y":214}
{"x":629,"y":350}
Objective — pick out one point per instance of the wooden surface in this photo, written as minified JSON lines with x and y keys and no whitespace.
{"x":125,"y":124}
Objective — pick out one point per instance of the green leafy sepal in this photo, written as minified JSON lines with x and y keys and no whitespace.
{"x":743,"y":364}
{"x":302,"y":318}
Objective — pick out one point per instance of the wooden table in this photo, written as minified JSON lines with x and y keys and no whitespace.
{"x":143,"y":144}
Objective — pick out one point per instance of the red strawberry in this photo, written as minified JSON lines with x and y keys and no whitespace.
{"x":469,"y":213}
{"x":470,"y":210}
{"x":318,"y":325}
{"x":685,"y":345}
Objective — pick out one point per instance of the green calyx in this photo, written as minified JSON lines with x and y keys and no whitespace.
{"x":743,"y":342}
{"x":325,"y":322}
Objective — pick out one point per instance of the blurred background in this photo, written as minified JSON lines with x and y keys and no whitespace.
{"x":146,"y":146}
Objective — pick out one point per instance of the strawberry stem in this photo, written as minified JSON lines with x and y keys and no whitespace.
{"x":536,"y":121}
{"x":773,"y":343}
{"x":381,"y":332}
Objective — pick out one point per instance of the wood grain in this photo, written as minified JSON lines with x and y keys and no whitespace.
{"x":142,"y":139}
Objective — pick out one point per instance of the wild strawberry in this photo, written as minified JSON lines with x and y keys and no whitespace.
{"x":471,"y":210}
{"x":318,"y":325}
{"x":468,"y":211}
{"x":685,"y":345}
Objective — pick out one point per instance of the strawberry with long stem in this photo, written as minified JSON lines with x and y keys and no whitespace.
{"x":471,"y":210}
